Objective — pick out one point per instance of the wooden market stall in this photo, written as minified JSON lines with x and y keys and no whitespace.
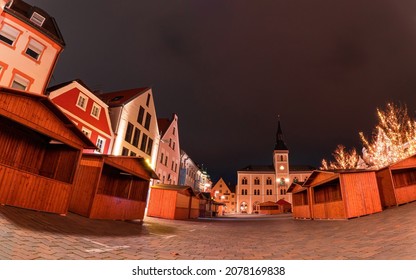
{"x":285,"y":206}
{"x":397,"y":182}
{"x":301,"y":208}
{"x":40,"y":149}
{"x":173,"y":202}
{"x":269,"y":208}
{"x":111,"y":187}
{"x":343,"y":194}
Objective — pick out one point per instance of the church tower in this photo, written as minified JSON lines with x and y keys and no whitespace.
{"x":281,"y":165}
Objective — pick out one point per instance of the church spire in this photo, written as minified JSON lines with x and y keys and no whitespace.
{"x":280,"y":143}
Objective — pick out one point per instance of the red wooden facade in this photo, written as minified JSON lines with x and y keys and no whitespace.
{"x":397,"y":182}
{"x":111,"y":187}
{"x":40,"y":149}
{"x":89,"y":112}
{"x":342,"y":195}
{"x":173,"y":202}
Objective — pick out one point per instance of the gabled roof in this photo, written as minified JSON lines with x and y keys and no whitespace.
{"x":122,"y":97}
{"x":61,"y":85}
{"x":283,"y":202}
{"x":163,"y":125}
{"x":27,"y":116}
{"x":24,"y":12}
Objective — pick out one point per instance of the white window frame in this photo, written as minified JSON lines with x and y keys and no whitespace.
{"x":100,"y":148}
{"x":96,"y":109}
{"x":82,"y":106}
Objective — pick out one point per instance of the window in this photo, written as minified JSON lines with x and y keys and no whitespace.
{"x":244,"y":191}
{"x":82,"y":101}
{"x":257,"y":192}
{"x":20,"y":82}
{"x":9,"y":34}
{"x":256,"y":181}
{"x":132,"y":154}
{"x":125,"y":152}
{"x":174,"y":130}
{"x":149,"y":147}
{"x":100,"y":144}
{"x":148,"y":100}
{"x":161,"y":158}
{"x":140,"y":116}
{"x":95,"y":111}
{"x":86,"y":131}
{"x":269,"y":181}
{"x":244,"y":181}
{"x":144,"y":143}
{"x":136,"y":137}
{"x":34,"y":49}
{"x":37,"y":19}
{"x":269,"y":192}
{"x":147,"y":122}
{"x":173,"y":146}
{"x":129,"y":132}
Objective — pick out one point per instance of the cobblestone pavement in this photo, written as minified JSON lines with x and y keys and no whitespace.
{"x":26,"y":234}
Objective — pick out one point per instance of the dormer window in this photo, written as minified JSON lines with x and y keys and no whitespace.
{"x":37,"y":19}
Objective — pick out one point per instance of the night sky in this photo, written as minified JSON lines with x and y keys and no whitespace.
{"x":229,"y":68}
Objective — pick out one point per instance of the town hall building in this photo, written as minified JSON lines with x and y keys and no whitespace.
{"x":264,"y":187}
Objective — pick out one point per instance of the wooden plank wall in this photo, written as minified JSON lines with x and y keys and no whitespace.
{"x":360,"y":194}
{"x":27,"y":190}
{"x":162,"y":204}
{"x":115,"y":208}
{"x":301,"y":212}
{"x":85,"y":186}
{"x":329,"y":210}
{"x":405,"y":194}
{"x":386,"y":188}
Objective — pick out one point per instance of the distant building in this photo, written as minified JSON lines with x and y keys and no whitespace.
{"x":134,"y":122}
{"x":87,"y":111}
{"x":222,"y":193}
{"x":168,"y":159}
{"x":190,"y":174}
{"x":30,"y":44}
{"x":268,"y":183}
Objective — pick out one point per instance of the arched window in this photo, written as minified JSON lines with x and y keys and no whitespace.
{"x":256,"y":181}
{"x":243,"y":207}
{"x":244,"y":181}
{"x":244,"y":191}
{"x":269,"y":181}
{"x":256,"y":192}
